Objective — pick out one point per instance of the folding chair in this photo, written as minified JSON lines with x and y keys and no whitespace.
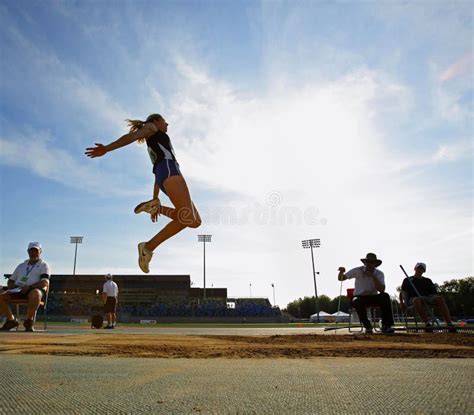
{"x":371,"y":314}
{"x":411,"y":307}
{"x":19,"y":302}
{"x":411,"y":313}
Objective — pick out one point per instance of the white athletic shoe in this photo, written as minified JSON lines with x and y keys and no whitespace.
{"x":151,"y":206}
{"x":144,"y":257}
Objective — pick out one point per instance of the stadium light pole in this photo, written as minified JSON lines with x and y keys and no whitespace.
{"x":313,"y":243}
{"x":274,"y":302}
{"x":75,"y":240}
{"x":204,"y":239}
{"x":250,"y":287}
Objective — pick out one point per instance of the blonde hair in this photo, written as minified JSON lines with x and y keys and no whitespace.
{"x":135,"y":125}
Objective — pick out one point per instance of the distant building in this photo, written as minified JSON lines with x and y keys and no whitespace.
{"x":167,"y":298}
{"x":133,"y":289}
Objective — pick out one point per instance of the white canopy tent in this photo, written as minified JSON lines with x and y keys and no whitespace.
{"x":340,"y":316}
{"x":323,"y":317}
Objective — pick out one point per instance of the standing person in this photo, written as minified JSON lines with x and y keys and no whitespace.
{"x":29,"y":281}
{"x":110,"y":299}
{"x":420,"y":291}
{"x":369,"y":289}
{"x":168,"y":178}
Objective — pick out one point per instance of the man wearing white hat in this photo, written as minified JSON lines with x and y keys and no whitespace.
{"x":30,"y":281}
{"x":109,"y":297}
{"x":420,"y":291}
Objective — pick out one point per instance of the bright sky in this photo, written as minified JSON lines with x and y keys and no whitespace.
{"x":345,"y":121}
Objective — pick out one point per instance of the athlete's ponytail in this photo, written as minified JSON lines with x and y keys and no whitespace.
{"x":135,"y":125}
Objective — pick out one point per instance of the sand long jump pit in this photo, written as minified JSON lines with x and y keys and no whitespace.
{"x":122,"y":344}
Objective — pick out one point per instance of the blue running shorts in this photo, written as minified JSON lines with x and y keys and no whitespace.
{"x":164,"y":169}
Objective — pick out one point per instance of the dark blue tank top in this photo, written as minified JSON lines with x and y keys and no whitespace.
{"x":160,"y":147}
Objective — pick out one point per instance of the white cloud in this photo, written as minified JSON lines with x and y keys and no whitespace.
{"x":417,"y":162}
{"x":61,"y":94}
{"x":453,"y":151}
{"x":316,"y":146}
{"x":57,"y":85}
{"x":37,"y":152}
{"x":448,"y":103}
{"x":452,"y":90}
{"x":317,"y":141}
{"x":459,"y":68}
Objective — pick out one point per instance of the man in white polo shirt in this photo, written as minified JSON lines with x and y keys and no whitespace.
{"x":109,"y":297}
{"x":369,"y":289}
{"x":30,"y":281}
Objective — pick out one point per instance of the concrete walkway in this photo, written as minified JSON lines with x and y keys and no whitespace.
{"x":91,"y":385}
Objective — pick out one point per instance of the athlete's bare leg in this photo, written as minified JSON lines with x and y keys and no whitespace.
{"x":184,"y":214}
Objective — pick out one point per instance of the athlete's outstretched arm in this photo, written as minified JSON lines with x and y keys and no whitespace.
{"x":99,"y":150}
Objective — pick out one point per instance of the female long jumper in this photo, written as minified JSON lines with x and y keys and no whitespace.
{"x":168,"y":178}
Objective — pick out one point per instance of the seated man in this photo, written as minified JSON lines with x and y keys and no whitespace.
{"x":31,"y":280}
{"x":370,"y":290}
{"x":420,"y":291}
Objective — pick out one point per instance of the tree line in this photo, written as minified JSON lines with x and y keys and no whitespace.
{"x":305,"y":307}
{"x":459,"y":295}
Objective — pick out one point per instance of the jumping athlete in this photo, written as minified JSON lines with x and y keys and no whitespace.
{"x":168,"y":178}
